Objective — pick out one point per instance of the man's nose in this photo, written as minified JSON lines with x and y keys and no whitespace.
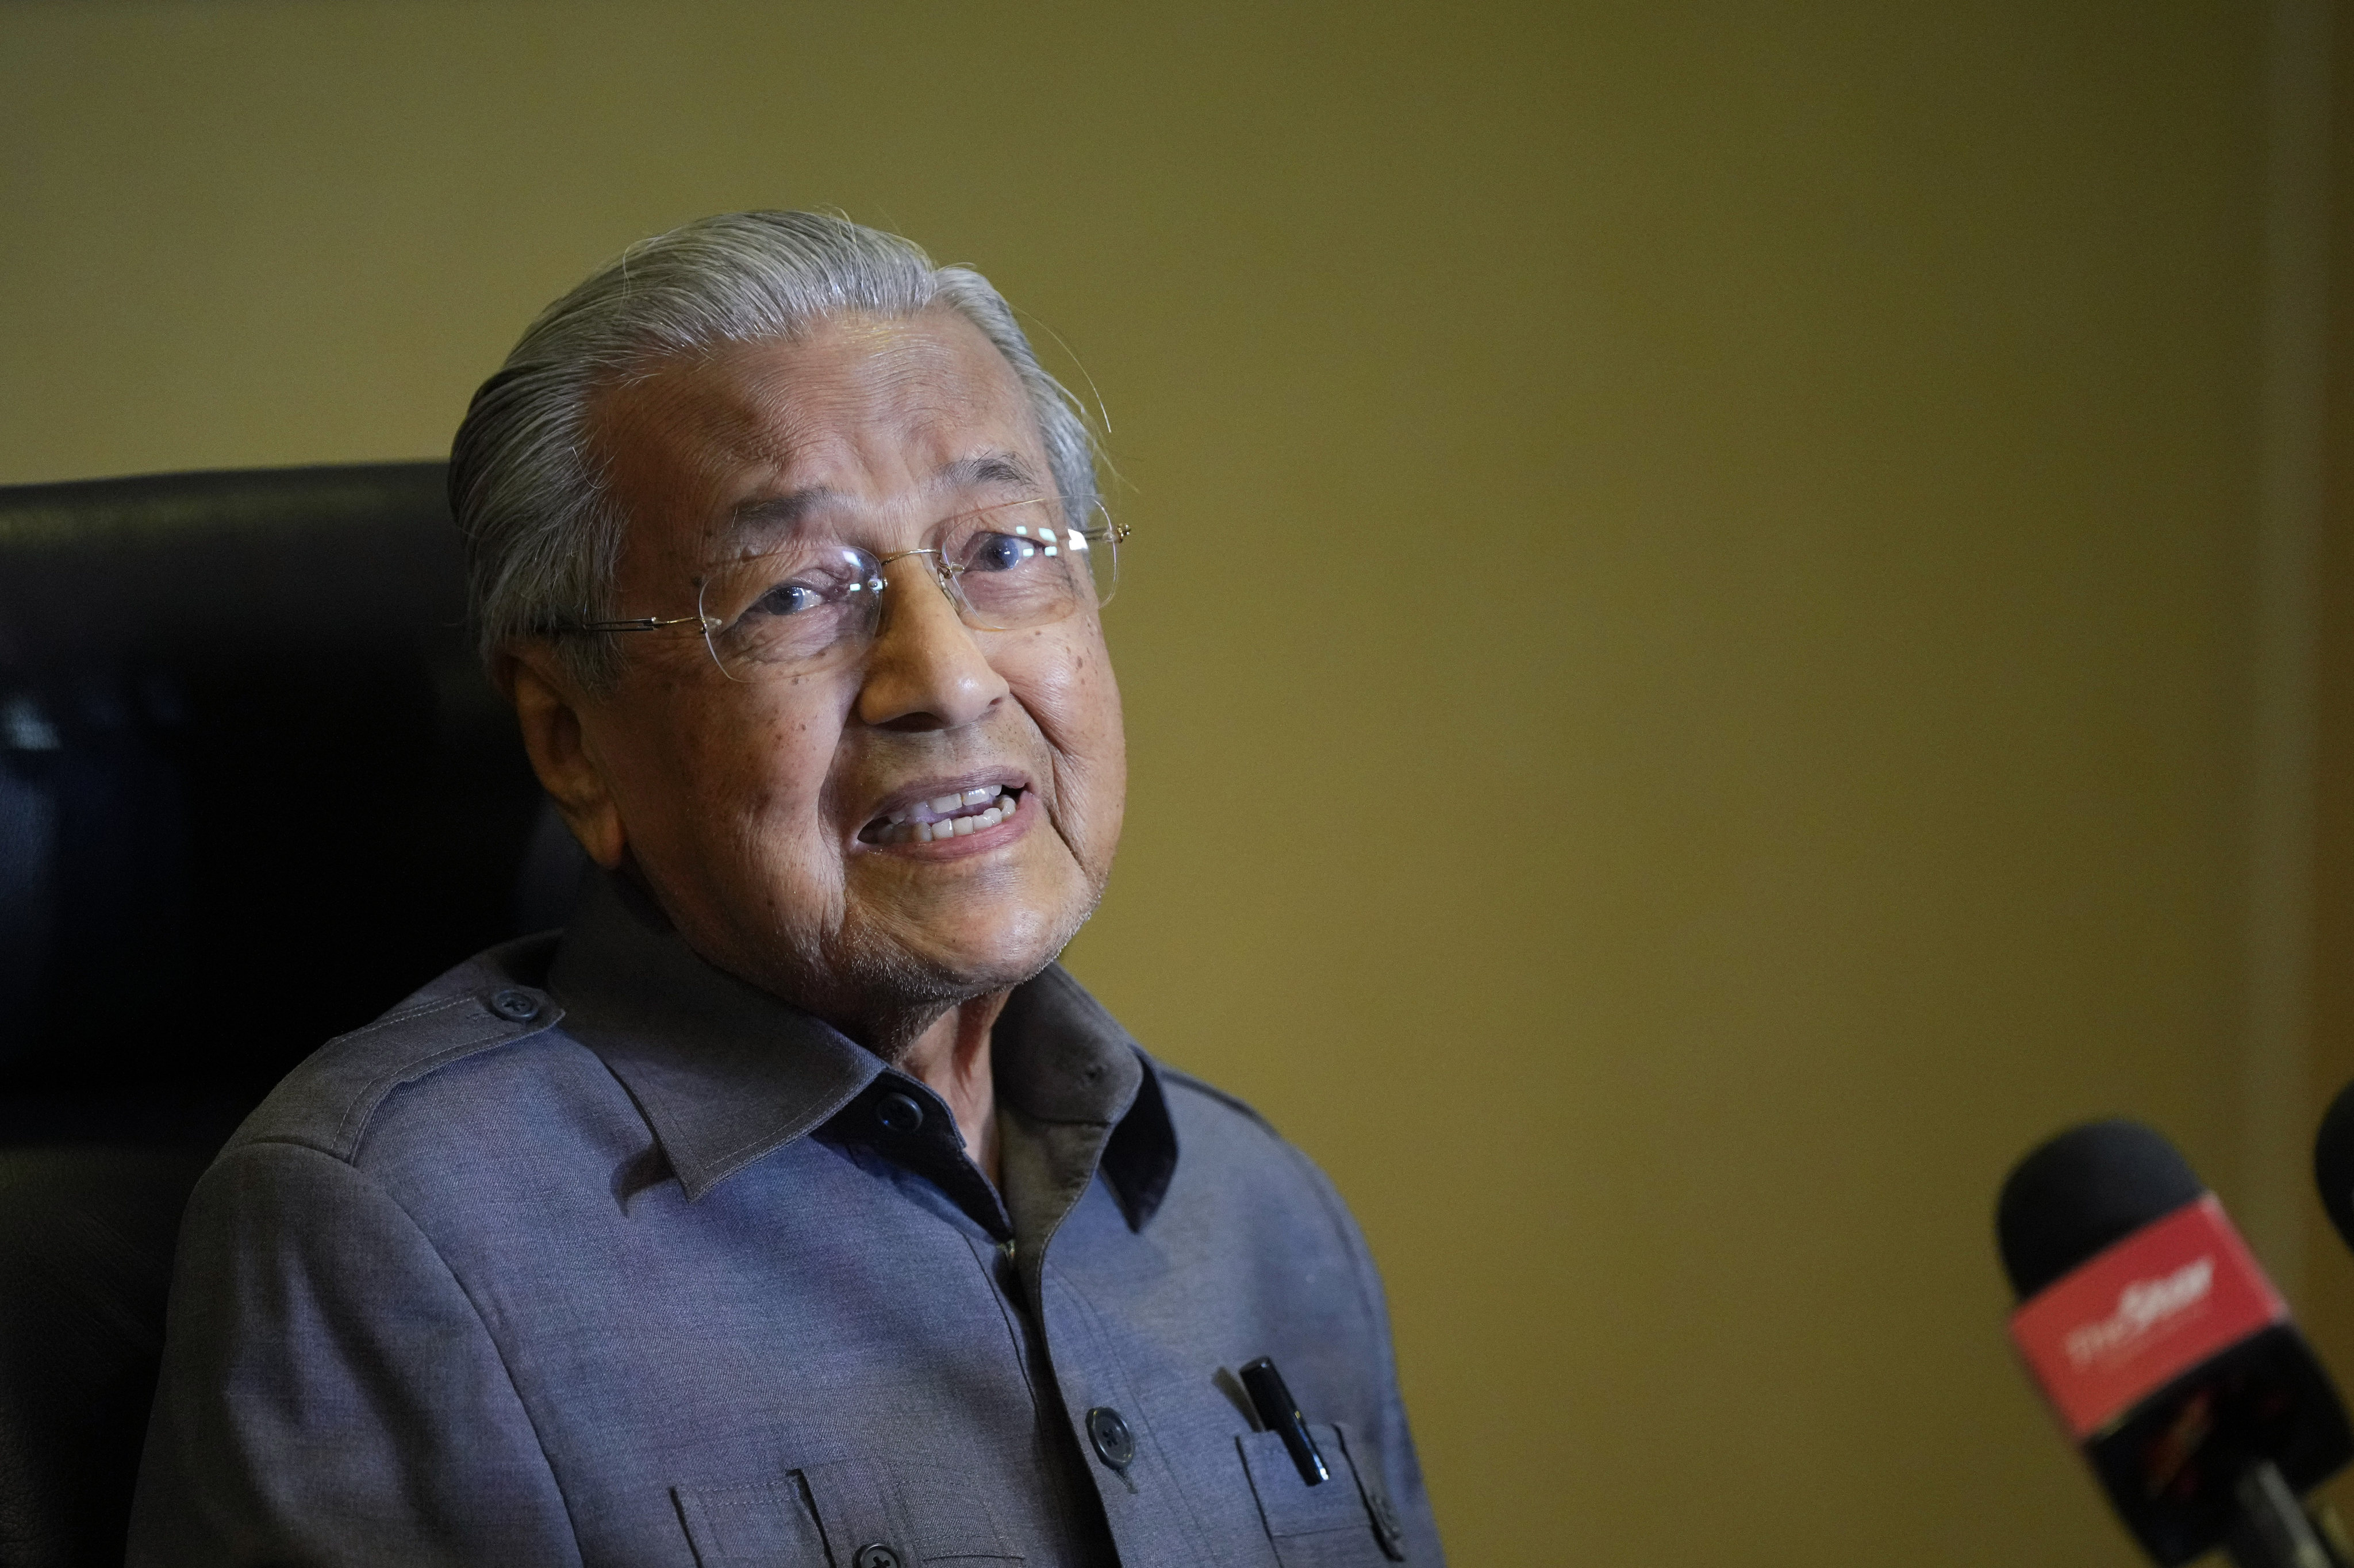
{"x":924,"y":671}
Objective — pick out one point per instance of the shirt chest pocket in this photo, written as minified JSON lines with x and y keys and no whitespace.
{"x":1344,"y":1522}
{"x":848,"y":1514}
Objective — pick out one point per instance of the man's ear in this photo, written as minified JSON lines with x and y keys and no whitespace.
{"x":548,"y":708}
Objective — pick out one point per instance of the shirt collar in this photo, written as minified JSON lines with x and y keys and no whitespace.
{"x":725,"y":1072}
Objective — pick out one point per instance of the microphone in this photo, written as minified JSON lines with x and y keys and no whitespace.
{"x":2333,"y":1162}
{"x":2167,"y":1356}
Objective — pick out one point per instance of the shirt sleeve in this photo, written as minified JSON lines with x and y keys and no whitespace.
{"x":329,"y":1394}
{"x":1400,"y":1466}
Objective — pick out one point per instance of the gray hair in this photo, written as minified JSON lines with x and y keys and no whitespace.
{"x":541,"y":529}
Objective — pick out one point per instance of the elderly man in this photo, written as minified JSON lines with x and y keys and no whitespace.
{"x":792,"y":1206}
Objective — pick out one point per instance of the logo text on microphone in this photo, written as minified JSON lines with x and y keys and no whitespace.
{"x":2143,"y":1307}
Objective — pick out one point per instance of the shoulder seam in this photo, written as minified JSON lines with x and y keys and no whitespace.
{"x":362,"y":1106}
{"x":407,"y":1015}
{"x":338,"y":1133}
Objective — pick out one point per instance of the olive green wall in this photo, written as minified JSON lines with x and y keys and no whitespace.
{"x":1687,"y":640}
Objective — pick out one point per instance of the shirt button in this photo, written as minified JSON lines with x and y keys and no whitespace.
{"x":1108,"y":1430}
{"x":874,"y":1554}
{"x":899,"y":1114}
{"x":515,"y":1006}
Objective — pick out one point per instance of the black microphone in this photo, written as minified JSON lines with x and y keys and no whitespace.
{"x":2167,"y":1356}
{"x":2333,"y":1162}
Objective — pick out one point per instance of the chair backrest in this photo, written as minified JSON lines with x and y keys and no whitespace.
{"x":254,"y":789}
{"x":254,"y":786}
{"x":86,"y":1233}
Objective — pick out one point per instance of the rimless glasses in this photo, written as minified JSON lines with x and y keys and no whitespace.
{"x":818,"y":600}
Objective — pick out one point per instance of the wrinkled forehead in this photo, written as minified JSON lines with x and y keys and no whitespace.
{"x":859,"y":422}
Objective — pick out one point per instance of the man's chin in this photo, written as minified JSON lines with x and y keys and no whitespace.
{"x":931,"y":974}
{"x":960,"y":949}
{"x":879,"y":983}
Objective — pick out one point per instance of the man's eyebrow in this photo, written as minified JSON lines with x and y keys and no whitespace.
{"x":989,"y":468}
{"x":780,"y":514}
{"x":768,"y":513}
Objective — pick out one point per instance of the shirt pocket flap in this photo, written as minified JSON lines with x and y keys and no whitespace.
{"x":768,"y":1523}
{"x":1290,"y":1505}
{"x":851,"y":1513}
{"x":916,"y":1513}
{"x":1341,"y":1520}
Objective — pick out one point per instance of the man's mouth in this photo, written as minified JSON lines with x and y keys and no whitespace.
{"x":945,"y":816}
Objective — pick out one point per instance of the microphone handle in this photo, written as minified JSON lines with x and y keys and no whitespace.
{"x":2273,"y":1531}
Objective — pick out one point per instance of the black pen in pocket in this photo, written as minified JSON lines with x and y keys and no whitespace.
{"x":1280,"y":1414}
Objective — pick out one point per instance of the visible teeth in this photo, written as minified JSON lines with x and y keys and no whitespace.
{"x":950,"y":805}
{"x":901,"y":829}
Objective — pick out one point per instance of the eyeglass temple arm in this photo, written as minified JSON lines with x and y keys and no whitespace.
{"x":642,"y":623}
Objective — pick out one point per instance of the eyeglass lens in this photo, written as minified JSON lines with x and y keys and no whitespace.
{"x":799,"y":608}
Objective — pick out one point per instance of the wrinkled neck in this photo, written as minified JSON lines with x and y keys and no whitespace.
{"x":951,"y":1058}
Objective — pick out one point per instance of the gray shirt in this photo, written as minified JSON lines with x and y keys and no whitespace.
{"x":591,"y":1253}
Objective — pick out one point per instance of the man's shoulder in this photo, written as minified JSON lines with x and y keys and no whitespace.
{"x":1231,"y":1134}
{"x":1252,"y":1179}
{"x":495,"y":1001}
{"x":1197,"y":1098}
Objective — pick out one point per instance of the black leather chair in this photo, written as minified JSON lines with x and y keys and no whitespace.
{"x":253,"y":789}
